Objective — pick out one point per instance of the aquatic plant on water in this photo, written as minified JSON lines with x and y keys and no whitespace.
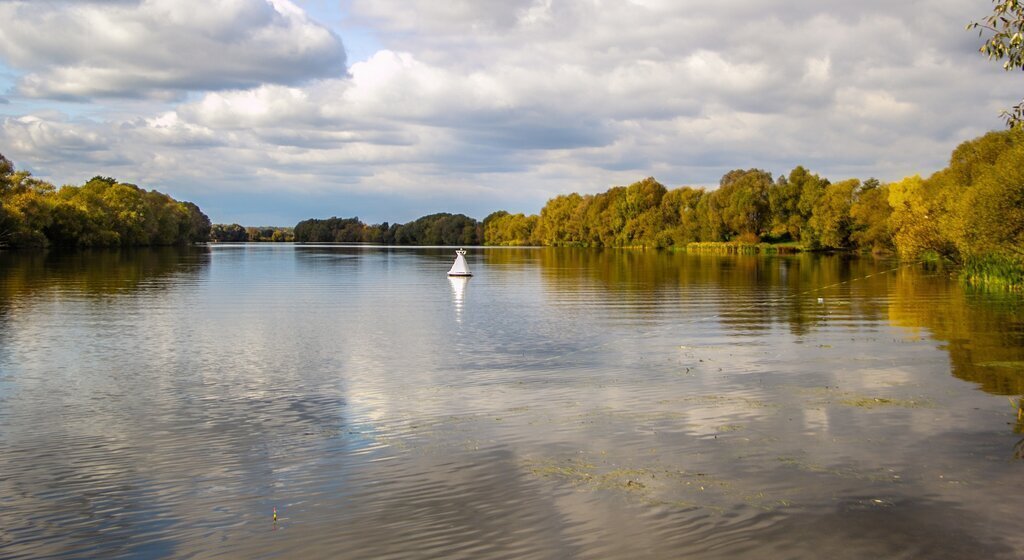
{"x":993,"y":271}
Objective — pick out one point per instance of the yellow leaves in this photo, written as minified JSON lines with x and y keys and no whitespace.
{"x":913,"y":229}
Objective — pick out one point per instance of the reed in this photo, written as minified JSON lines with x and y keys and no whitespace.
{"x":993,"y":272}
{"x":740,"y":248}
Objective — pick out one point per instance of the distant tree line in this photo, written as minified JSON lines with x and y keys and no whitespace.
{"x":102,"y":212}
{"x":435,"y":229}
{"x":971,"y":212}
{"x":234,"y":233}
{"x":748,"y":206}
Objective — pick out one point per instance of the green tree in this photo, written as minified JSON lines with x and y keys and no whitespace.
{"x":811,"y":188}
{"x":639,"y":212}
{"x":986,"y":215}
{"x":746,"y":209}
{"x":198,"y":224}
{"x":232,"y":233}
{"x":831,"y":216}
{"x":784,"y":201}
{"x":509,"y":229}
{"x":679,"y":208}
{"x":556,"y":223}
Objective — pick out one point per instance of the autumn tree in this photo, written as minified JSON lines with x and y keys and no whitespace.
{"x":869,"y":218}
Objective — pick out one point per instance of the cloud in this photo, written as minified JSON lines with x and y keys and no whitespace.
{"x":161,"y":48}
{"x":482,"y":105}
{"x":50,"y":137}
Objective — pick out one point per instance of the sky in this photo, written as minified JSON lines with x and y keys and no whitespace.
{"x":267,"y":112}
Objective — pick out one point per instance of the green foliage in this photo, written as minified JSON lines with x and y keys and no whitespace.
{"x":228,"y":233}
{"x":988,"y":212}
{"x":869,"y":218}
{"x":784,"y":201}
{"x":331,"y":230}
{"x":744,"y":202}
{"x":502,"y":228}
{"x":682,"y":222}
{"x":435,"y":229}
{"x":1006,"y":25}
{"x":748,"y":205}
{"x":559,"y":223}
{"x":994,"y":271}
{"x":972,"y":212}
{"x":101,"y":212}
{"x":739,"y":248}
{"x":635,"y":216}
{"x":269,"y":234}
{"x":972,"y":209}
{"x":830,"y":218}
{"x":811,"y":189}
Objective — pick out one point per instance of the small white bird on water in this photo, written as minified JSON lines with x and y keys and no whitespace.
{"x":460,"y":268}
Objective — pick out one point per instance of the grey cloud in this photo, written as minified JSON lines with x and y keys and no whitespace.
{"x":162,"y":47}
{"x":451,"y":15}
{"x":524,"y":100}
{"x":325,"y":139}
{"x":538,"y":131}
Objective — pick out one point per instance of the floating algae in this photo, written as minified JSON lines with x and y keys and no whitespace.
{"x":847,"y":398}
{"x":1018,"y":364}
{"x":719,"y":400}
{"x":878,"y":402}
{"x":653,"y":485}
{"x":845,"y":472}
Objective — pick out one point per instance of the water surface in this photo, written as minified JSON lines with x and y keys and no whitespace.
{"x":560,"y":403}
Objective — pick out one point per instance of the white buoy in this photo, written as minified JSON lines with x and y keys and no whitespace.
{"x":460,"y":268}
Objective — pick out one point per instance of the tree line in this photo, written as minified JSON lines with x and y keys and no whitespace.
{"x":234,"y":233}
{"x":435,"y":229}
{"x":101,"y":212}
{"x":748,"y":206}
{"x":971,"y":212}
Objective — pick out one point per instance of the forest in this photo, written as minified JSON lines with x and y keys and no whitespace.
{"x":435,"y":229}
{"x":970,"y":213}
{"x":100,"y":213}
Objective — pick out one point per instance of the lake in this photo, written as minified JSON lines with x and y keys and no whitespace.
{"x":561,"y":403}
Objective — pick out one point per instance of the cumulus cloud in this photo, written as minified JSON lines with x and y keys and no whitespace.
{"x":159,"y":48}
{"x":52,"y":137}
{"x":475,"y":106}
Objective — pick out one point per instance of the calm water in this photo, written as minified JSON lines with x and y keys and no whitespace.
{"x":561,"y":403}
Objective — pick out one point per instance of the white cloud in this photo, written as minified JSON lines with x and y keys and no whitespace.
{"x":49,"y":137}
{"x":503,"y":104}
{"x":159,"y":48}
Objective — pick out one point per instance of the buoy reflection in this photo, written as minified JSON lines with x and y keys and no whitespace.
{"x":459,"y":284}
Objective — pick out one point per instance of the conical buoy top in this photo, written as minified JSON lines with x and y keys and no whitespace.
{"x":460,"y":268}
